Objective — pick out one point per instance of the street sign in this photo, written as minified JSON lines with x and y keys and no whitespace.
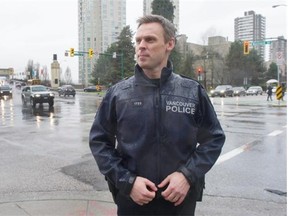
{"x":279,"y":93}
{"x":279,"y":58}
{"x":260,"y":43}
{"x":78,"y":54}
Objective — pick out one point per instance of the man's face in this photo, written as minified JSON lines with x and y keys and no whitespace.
{"x":151,"y":50}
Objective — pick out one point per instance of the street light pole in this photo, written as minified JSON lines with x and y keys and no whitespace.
{"x":122,"y":66}
{"x":115,"y":55}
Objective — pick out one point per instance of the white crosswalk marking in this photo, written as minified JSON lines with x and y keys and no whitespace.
{"x":275,"y":133}
{"x":241,"y":149}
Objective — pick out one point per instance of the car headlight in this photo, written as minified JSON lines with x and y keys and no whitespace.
{"x":222,"y":91}
{"x":37,"y":95}
{"x":212,"y":91}
{"x":51,"y":94}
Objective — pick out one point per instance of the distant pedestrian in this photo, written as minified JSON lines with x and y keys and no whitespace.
{"x":269,"y":93}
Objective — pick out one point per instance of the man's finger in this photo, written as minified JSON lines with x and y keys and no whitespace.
{"x":151,"y":186}
{"x":163,"y":183}
{"x":179,"y":201}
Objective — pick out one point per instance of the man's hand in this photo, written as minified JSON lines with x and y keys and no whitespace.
{"x":143,"y":191}
{"x":177,"y":189}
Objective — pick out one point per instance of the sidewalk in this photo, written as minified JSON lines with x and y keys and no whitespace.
{"x":211,"y":205}
{"x":101,"y":205}
{"x":58,"y":207}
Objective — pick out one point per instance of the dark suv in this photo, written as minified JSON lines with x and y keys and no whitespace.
{"x":37,"y":94}
{"x":222,"y":91}
{"x":5,"y":90}
{"x":66,"y":90}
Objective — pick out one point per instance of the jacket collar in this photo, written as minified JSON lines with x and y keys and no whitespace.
{"x":141,"y":78}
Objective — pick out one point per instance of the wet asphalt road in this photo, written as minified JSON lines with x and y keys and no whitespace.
{"x":46,"y":150}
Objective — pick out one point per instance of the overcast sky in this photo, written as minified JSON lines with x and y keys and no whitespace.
{"x":37,"y":29}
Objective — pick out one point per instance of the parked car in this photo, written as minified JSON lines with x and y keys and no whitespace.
{"x":5,"y":90}
{"x":254,"y":90}
{"x":239,"y":91}
{"x":37,"y":94}
{"x":66,"y":90}
{"x":96,"y":88}
{"x":222,"y":91}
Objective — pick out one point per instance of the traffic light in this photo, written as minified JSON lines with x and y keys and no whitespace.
{"x":199,"y":71}
{"x":90,"y":53}
{"x":246,"y":47}
{"x":72,"y":52}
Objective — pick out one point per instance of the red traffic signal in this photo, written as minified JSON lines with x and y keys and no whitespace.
{"x":246,"y":47}
{"x":199,"y":70}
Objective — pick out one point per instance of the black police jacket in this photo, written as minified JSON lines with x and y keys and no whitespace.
{"x":149,"y":130}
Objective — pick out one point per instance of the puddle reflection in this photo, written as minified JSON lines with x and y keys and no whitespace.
{"x":29,"y":112}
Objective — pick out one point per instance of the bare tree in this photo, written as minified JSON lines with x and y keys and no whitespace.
{"x":68,"y":76}
{"x":29,"y":69}
{"x":44,"y":74}
{"x":36,"y":70}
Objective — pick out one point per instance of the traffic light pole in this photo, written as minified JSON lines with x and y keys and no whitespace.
{"x":91,"y":53}
{"x":122,"y":66}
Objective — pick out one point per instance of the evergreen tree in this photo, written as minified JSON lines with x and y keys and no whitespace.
{"x":272,"y":71}
{"x":164,"y":8}
{"x":117,"y":62}
{"x":241,"y":67}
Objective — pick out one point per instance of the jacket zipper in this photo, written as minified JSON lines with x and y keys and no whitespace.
{"x":158,"y":131}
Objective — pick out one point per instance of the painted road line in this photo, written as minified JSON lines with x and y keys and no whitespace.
{"x":242,"y":148}
{"x":235,"y":152}
{"x":275,"y":133}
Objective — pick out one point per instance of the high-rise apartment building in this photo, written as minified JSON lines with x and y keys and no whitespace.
{"x":99,"y":24}
{"x":278,"y":54}
{"x":147,"y":9}
{"x":251,"y":27}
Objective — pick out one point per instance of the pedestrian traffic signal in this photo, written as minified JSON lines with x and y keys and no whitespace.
{"x":72,"y":52}
{"x":199,"y":71}
{"x":90,"y":53}
{"x":246,"y":47}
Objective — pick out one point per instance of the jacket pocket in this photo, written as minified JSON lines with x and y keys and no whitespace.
{"x":196,"y":191}
{"x":114,"y":191}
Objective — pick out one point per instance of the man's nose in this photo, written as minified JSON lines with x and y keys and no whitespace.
{"x":142,"y":43}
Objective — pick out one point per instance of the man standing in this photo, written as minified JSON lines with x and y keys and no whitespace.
{"x":156,"y":134}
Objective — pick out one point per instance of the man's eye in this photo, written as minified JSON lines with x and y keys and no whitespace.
{"x":149,"y":39}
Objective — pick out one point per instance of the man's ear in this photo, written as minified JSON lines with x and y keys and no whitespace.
{"x":171,"y":44}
